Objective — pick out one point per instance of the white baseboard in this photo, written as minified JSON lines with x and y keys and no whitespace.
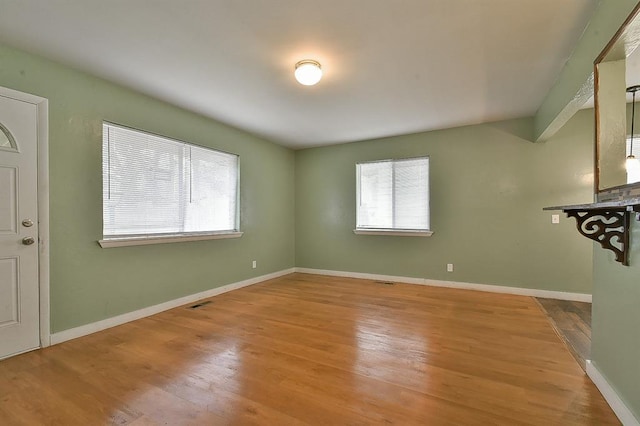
{"x":83,"y":330}
{"x":549,"y":294}
{"x":617,"y":405}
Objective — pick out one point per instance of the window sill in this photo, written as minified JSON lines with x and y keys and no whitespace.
{"x":164,"y":239}
{"x":394,"y":232}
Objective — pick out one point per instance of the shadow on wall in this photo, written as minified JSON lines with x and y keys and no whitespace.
{"x":521,"y":129}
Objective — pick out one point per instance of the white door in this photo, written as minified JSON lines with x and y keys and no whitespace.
{"x":19,"y":288}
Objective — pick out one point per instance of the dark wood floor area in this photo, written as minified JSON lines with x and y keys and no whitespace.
{"x":306,"y":349}
{"x":572,"y":321}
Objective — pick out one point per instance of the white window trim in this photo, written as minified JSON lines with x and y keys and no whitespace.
{"x":393,"y":232}
{"x":149,"y":239}
{"x":164,"y":239}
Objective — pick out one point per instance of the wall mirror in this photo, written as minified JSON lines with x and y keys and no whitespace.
{"x":617,"y":71}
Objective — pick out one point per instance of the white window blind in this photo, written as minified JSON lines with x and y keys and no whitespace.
{"x":154,"y":185}
{"x":393,"y":194}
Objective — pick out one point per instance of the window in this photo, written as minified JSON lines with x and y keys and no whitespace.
{"x":158,"y":187}
{"x":393,"y":196}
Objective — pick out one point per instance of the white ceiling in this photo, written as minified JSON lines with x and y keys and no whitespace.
{"x":390,"y":66}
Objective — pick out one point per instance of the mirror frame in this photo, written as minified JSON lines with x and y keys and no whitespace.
{"x":627,"y":35}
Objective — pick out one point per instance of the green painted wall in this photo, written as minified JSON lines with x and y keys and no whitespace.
{"x":615,"y":348}
{"x":612,"y":133}
{"x":89,"y":283}
{"x":488,"y":188}
{"x":604,"y":23}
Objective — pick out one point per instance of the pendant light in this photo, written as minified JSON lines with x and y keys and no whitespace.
{"x":632,"y":163}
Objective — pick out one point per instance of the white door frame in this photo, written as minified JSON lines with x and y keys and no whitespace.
{"x":42,"y":107}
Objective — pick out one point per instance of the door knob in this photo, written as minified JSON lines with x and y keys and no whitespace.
{"x":27,"y":241}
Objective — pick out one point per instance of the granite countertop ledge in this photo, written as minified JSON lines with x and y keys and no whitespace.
{"x":629,"y":202}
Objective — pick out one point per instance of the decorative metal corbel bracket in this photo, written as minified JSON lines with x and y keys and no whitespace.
{"x":607,"y":223}
{"x":609,"y":228}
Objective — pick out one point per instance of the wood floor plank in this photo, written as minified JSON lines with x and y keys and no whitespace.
{"x":306,"y":350}
{"x":572,"y":322}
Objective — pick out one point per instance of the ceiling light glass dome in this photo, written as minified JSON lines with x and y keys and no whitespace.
{"x":308,"y":72}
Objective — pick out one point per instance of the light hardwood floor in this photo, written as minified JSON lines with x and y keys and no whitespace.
{"x":307,"y":349}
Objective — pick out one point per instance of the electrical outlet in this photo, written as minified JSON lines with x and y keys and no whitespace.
{"x":449,"y":267}
{"x":254,"y":264}
{"x":555,"y":218}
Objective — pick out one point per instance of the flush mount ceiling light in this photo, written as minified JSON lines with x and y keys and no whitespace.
{"x":308,"y":72}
